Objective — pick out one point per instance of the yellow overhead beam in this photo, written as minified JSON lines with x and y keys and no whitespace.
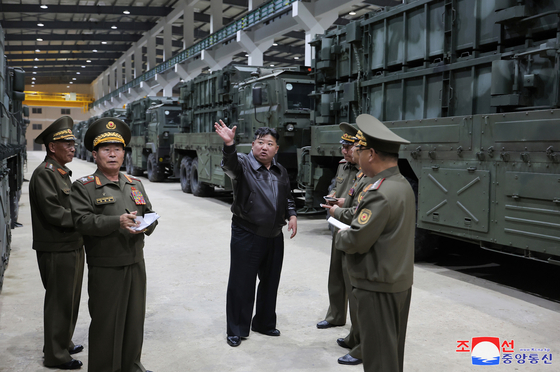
{"x":58,"y":99}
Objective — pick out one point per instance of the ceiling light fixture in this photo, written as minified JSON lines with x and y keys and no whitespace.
{"x":274,"y":44}
{"x":114,"y":27}
{"x":73,"y":78}
{"x":126,"y":12}
{"x":271,"y":65}
{"x":34,"y":66}
{"x":32,"y":78}
{"x":88,"y":61}
{"x":296,"y":57}
{"x":44,"y":6}
{"x":352,"y":13}
{"x":71,"y":82}
{"x":37,"y":50}
{"x":34,"y":72}
{"x":78,"y":73}
{"x":83,"y":66}
{"x":94,"y":51}
{"x":68,"y":86}
{"x":103,"y":42}
{"x":36,"y":59}
{"x":39,"y":39}
{"x":40,"y":24}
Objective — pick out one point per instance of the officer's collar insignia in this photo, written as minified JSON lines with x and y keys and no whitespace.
{"x":86,"y":179}
{"x":364,"y":217}
{"x":97,"y":181}
{"x":110,"y":125}
{"x":376,"y":185}
{"x":61,"y":171}
{"x":360,"y":174}
{"x":127,"y":178}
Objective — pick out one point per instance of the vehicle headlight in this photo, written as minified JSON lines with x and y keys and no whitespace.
{"x":290,"y":127}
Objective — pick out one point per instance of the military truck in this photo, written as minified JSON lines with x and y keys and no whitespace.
{"x":248,"y":97}
{"x":12,"y":150}
{"x":474,"y":85}
{"x":119,"y":113}
{"x":153,"y":121}
{"x":85,"y":154}
{"x":77,"y":130}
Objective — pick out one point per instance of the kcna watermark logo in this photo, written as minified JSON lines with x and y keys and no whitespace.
{"x":488,"y":351}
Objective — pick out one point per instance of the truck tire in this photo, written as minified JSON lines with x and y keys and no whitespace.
{"x":185,"y":174}
{"x":130,"y":168}
{"x":198,"y":188}
{"x":128,"y":162}
{"x":155,"y":171}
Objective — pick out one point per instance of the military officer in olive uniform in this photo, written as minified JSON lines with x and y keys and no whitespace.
{"x":104,"y":207}
{"x":345,"y":178}
{"x":379,"y":249}
{"x":60,"y":252}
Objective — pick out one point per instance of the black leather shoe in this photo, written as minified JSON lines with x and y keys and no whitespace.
{"x":349,"y":360}
{"x":76,"y":349}
{"x":72,"y":364}
{"x":271,"y":332}
{"x":323,"y":324}
{"x":341,"y":343}
{"x":233,"y":341}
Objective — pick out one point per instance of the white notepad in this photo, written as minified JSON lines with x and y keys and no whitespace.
{"x":146,"y":221}
{"x":336,"y":223}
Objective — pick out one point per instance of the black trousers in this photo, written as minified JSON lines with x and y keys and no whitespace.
{"x":252,"y":256}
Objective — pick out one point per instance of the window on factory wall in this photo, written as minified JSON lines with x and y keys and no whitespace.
{"x":65,"y":111}
{"x":37,"y":110}
{"x":37,"y":126}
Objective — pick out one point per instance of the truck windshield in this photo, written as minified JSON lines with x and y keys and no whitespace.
{"x":298,"y":96}
{"x":172,"y":118}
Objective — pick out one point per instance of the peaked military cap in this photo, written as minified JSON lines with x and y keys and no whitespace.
{"x":59,"y":130}
{"x":349,"y":136}
{"x":106,"y":130}
{"x":376,"y":135}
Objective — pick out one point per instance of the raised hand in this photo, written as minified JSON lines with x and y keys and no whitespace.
{"x":228,"y":135}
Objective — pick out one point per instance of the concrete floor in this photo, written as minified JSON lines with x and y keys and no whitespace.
{"x":187,"y":260}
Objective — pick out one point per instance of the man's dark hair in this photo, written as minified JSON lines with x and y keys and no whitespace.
{"x":265,"y":131}
{"x":387,"y":155}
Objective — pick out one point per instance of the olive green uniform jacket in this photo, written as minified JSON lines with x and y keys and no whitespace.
{"x":381,"y":238}
{"x":49,"y":197}
{"x":345,"y":178}
{"x":97,"y":205}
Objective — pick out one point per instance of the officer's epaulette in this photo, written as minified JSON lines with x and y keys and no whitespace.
{"x":343,"y":161}
{"x":374,"y":186}
{"x":87,"y":179}
{"x":49,"y":166}
{"x":130,"y":179}
{"x":359,"y":175}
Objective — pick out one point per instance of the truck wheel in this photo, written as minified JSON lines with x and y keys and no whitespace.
{"x":155,"y":171}
{"x":128,"y":162}
{"x":198,"y":188}
{"x":185,"y":174}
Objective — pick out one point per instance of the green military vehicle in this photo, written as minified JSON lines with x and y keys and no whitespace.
{"x":119,"y":113}
{"x":84,"y":153}
{"x":247,"y":97}
{"x":77,"y":130}
{"x":474,"y":85}
{"x":153,"y":121}
{"x":13,"y":154}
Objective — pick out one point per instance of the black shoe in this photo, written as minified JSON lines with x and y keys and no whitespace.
{"x":341,"y":343}
{"x":323,"y":324}
{"x":72,"y":364}
{"x":233,"y":341}
{"x":349,"y":360}
{"x":77,"y":349}
{"x":271,"y":332}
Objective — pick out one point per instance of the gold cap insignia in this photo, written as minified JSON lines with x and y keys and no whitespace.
{"x":110,"y":125}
